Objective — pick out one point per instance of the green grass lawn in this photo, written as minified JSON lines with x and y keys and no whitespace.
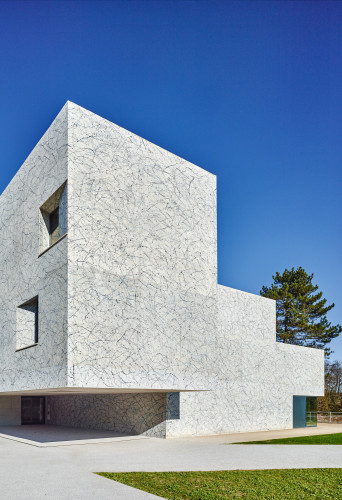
{"x":319,"y":439}
{"x":253,"y":484}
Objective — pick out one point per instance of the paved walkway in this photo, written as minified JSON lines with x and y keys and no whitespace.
{"x":44,"y":436}
{"x":66,"y":472}
{"x":241,"y":437}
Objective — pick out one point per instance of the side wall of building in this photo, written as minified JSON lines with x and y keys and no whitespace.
{"x":142,"y":261}
{"x":256,"y":377}
{"x":24,"y":275}
{"x":144,"y":306}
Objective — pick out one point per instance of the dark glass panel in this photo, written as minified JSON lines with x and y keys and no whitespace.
{"x":311,"y":411}
{"x":299,"y":411}
{"x":32,"y":410}
{"x":54,"y":226}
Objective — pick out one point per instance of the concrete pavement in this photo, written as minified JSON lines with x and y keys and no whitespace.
{"x":66,"y":472}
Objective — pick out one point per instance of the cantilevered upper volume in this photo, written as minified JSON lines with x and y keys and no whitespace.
{"x":127,"y":279}
{"x":108,"y":284}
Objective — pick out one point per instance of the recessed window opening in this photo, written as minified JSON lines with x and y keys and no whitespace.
{"x":53,"y":219}
{"x":27,"y":324}
{"x":54,"y":226}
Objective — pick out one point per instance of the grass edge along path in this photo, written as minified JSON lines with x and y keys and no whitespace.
{"x":315,"y":439}
{"x":249,"y":484}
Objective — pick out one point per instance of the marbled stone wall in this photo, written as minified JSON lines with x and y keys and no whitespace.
{"x":142,"y":261}
{"x":255,"y":376}
{"x":142,"y":413}
{"x":24,"y":275}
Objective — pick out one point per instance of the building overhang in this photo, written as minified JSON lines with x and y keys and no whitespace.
{"x":91,"y":390}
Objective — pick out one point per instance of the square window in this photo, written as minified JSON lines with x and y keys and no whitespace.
{"x":27,"y":324}
{"x":53,"y":219}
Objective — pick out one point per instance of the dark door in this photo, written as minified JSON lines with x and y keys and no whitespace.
{"x":299,"y":411}
{"x":32,"y":410}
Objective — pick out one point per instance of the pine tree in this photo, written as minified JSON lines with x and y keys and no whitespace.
{"x":301,"y":310}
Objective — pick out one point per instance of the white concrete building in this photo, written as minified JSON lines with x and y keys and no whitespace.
{"x":110,"y":312}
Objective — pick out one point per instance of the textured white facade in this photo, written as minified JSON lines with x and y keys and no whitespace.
{"x":131,"y":319}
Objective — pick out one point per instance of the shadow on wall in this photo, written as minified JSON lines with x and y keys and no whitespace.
{"x":142,"y":413}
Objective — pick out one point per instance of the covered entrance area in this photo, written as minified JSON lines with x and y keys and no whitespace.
{"x":79,"y":410}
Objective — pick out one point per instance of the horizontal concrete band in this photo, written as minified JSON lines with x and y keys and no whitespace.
{"x":92,"y":390}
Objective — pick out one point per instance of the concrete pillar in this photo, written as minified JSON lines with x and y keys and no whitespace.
{"x":10,"y":410}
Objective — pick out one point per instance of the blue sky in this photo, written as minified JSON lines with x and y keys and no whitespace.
{"x":249,"y":90}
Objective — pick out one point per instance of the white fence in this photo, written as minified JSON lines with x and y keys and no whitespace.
{"x":329,"y":417}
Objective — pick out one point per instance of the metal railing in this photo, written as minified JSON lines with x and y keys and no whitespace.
{"x":326,"y":417}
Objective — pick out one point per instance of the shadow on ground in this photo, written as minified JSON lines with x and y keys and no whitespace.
{"x":48,"y":434}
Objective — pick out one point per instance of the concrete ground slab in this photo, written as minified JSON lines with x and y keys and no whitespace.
{"x":44,"y":436}
{"x":67,"y":472}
